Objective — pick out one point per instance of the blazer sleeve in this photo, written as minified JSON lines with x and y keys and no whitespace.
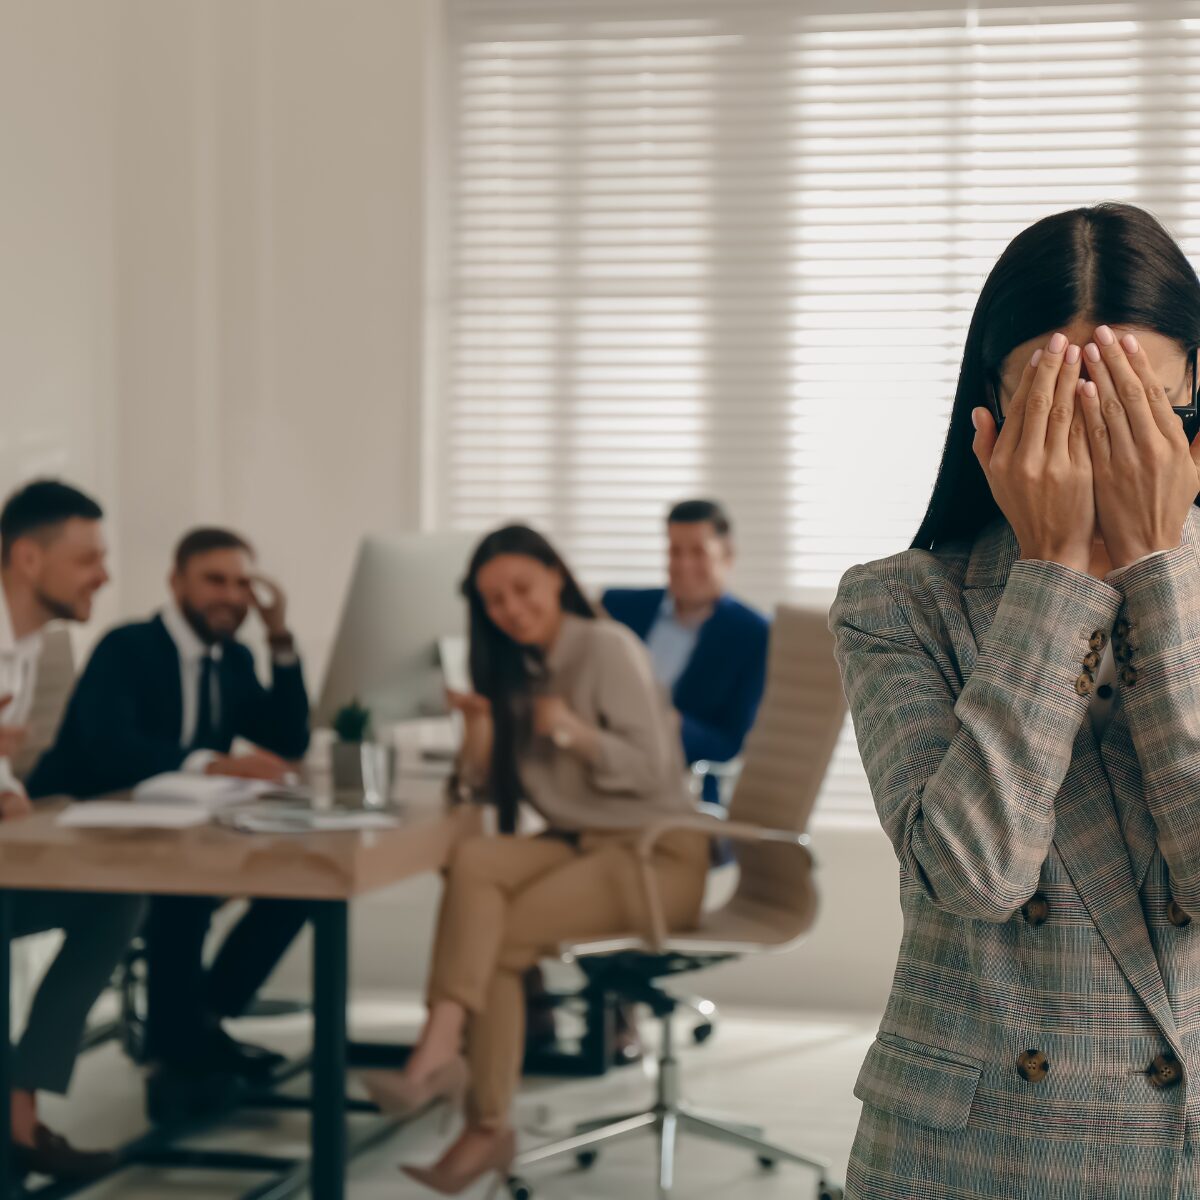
{"x":1160,"y":693}
{"x":103,"y":726}
{"x":275,"y":717}
{"x":965,"y":785}
{"x":635,"y":745}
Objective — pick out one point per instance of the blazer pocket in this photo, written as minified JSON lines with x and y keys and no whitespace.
{"x":916,"y":1082}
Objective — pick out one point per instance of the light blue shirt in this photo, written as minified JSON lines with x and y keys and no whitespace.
{"x":671,"y":643}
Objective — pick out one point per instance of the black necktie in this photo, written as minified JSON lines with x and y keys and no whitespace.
{"x":207,"y":735}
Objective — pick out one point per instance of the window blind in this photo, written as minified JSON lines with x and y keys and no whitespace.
{"x":731,"y":247}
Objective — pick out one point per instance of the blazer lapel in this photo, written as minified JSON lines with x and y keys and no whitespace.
{"x":1125,"y":777}
{"x":686,"y":683}
{"x":1087,"y":833}
{"x":170,"y":694}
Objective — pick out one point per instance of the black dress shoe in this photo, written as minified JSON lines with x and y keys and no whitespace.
{"x":255,"y":1064}
{"x":52,"y":1155}
{"x":175,"y":1093}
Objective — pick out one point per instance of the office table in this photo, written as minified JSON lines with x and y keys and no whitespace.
{"x":326,"y":871}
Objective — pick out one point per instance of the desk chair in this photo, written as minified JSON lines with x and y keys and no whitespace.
{"x":786,"y":756}
{"x":52,"y":690}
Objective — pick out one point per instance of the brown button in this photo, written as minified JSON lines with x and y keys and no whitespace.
{"x":1098,"y":640}
{"x":1036,"y":909}
{"x":1129,"y":676}
{"x":1122,"y":652}
{"x":1091,"y":660}
{"x":1166,"y":1071}
{"x":1033,"y":1066}
{"x":1177,"y":916}
{"x":1083,"y":684}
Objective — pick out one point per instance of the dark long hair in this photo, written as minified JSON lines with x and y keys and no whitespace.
{"x":1113,"y":263}
{"x":503,"y":670}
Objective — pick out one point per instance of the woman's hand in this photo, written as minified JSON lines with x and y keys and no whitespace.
{"x":1146,"y":475}
{"x":471,"y":704}
{"x":1039,"y":467}
{"x":551,"y":714}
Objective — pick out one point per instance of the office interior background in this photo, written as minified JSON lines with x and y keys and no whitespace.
{"x":322,"y":268}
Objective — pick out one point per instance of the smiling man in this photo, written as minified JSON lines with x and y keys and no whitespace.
{"x":709,"y":649}
{"x":172,"y":694}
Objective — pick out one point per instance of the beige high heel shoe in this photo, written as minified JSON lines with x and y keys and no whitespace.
{"x":399,"y":1096}
{"x":450,"y":1183}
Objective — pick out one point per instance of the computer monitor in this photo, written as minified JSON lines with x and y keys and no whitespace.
{"x":402,"y":601}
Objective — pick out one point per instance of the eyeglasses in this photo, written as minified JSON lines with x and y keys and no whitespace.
{"x":1188,"y":413}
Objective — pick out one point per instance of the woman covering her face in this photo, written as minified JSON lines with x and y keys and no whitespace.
{"x":1025,"y":688}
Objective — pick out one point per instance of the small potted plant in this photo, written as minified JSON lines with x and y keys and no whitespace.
{"x":361,"y":767}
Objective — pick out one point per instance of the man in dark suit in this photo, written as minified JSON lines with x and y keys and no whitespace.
{"x":709,"y":649}
{"x":172,"y":694}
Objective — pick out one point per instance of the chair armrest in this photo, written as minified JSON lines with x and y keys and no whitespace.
{"x":738,"y":831}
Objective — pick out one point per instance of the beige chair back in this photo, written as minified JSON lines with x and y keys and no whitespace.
{"x":784,"y":762}
{"x":55,"y":681}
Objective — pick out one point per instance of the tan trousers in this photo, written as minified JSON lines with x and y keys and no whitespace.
{"x":510,"y":901}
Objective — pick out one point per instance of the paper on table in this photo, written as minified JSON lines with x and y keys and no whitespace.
{"x":206,"y":792}
{"x":119,"y":814}
{"x":299,"y":820}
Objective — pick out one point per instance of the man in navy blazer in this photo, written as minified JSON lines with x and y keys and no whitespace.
{"x":171,"y":694}
{"x":709,"y":649}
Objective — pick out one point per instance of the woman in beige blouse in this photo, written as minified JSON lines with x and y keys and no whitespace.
{"x":567,"y":715}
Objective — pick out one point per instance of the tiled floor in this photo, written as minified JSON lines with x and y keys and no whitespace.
{"x":793,"y":1076}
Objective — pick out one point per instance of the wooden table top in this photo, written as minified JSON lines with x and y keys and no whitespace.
{"x":37,"y":853}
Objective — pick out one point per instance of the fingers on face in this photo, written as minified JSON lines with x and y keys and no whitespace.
{"x":1040,"y":398}
{"x":1156,"y":395}
{"x":1118,"y":381}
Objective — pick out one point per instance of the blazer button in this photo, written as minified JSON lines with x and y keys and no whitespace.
{"x":1083,"y":684}
{"x":1033,"y":1066}
{"x":1177,"y":916}
{"x":1121,"y":627}
{"x":1129,"y":676}
{"x":1091,"y":660}
{"x":1098,"y":640}
{"x":1166,"y":1071}
{"x":1036,"y":909}
{"x":1122,"y":652}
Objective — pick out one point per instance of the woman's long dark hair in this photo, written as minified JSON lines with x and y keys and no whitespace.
{"x":1113,"y":263}
{"x":503,"y":670}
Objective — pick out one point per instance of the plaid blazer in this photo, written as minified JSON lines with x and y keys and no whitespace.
{"x":1044,"y":1019}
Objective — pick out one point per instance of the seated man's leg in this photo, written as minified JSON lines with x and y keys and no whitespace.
{"x":97,"y":930}
{"x":251,"y":951}
{"x":175,"y":1013}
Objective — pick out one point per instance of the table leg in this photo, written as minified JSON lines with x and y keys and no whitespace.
{"x":331,"y":963}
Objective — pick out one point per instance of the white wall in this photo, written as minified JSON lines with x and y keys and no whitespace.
{"x":57,"y":255}
{"x":271,"y":197}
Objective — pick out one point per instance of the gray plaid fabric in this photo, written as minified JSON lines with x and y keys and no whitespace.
{"x":967,"y":674}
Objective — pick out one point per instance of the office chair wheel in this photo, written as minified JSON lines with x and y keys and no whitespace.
{"x":769,"y":1164}
{"x":585,"y":1159}
{"x":702,"y":1033}
{"x":518,"y":1189}
{"x":829,"y":1191}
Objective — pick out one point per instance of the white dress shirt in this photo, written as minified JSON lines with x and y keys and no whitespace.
{"x":671,"y":642}
{"x":18,"y":678}
{"x":192,"y":652}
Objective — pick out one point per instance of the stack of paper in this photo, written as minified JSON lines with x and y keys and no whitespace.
{"x":205,"y":792}
{"x":120,"y":814}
